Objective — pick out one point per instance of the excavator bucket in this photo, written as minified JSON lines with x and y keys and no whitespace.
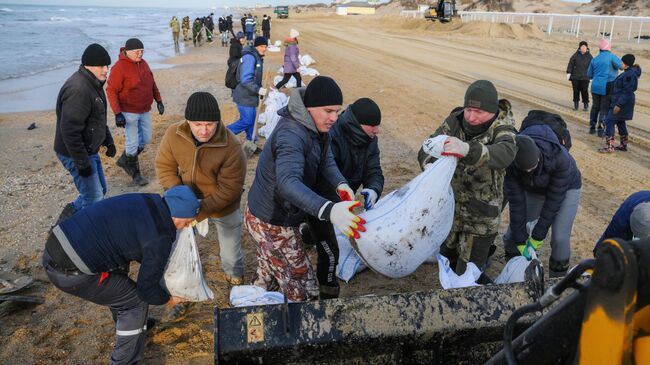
{"x":457,"y":326}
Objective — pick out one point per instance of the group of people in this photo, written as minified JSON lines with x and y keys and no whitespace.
{"x":612,"y":93}
{"x":309,"y":172}
{"x":253,"y":28}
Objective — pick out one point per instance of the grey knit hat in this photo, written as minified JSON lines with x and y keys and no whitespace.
{"x":202,"y":107}
{"x":482,"y":94}
{"x":640,"y":220}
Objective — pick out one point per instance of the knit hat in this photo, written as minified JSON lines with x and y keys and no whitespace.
{"x":202,"y":107}
{"x":260,"y":41}
{"x":583,"y":43}
{"x":604,"y":45}
{"x":527,"y":153}
{"x":628,"y":59}
{"x":182,"y":202}
{"x":482,"y":95}
{"x":293,"y":33}
{"x":322,"y":91}
{"x":133,"y":43}
{"x":240,"y":35}
{"x":640,"y":220}
{"x":366,"y":111}
{"x":95,"y":55}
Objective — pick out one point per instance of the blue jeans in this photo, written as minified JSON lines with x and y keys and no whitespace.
{"x":92,"y":188}
{"x":229,"y":236}
{"x":137,"y":132}
{"x":246,"y":121}
{"x":249,"y":36}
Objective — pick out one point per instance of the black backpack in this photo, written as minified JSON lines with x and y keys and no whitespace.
{"x":557,"y":124}
{"x":231,"y":74}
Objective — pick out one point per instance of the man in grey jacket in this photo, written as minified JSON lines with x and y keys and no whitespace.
{"x":295,"y":157}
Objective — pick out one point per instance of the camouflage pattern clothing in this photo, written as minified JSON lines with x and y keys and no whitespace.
{"x":281,"y":260}
{"x":477,"y":184}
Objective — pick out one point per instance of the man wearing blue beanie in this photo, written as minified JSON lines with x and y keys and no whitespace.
{"x":88,"y":256}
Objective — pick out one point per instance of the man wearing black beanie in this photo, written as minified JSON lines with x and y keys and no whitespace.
{"x":356,"y":152}
{"x":81,"y":128}
{"x":295,"y":158}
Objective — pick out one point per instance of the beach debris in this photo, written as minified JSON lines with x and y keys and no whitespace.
{"x":11,"y":283}
{"x":31,"y":126}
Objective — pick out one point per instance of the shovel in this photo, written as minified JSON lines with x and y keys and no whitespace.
{"x":250,"y":146}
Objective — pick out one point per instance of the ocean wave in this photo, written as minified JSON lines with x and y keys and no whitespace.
{"x":6,"y":10}
{"x":46,"y":69}
{"x":59,"y":19}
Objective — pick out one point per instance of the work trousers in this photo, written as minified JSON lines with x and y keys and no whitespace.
{"x":287,"y":77}
{"x":267,"y":34}
{"x":580,"y":87}
{"x":229,"y":236}
{"x":600,"y":107}
{"x":91,"y":188}
{"x":327,"y":248}
{"x":246,"y":121}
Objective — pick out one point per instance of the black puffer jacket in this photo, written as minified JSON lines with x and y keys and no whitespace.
{"x":578,"y":65}
{"x":356,"y":155}
{"x":236,"y":49}
{"x":81,"y":118}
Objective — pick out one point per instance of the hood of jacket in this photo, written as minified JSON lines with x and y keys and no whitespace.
{"x":297,"y":111}
{"x":351,"y":128}
{"x":635,"y":70}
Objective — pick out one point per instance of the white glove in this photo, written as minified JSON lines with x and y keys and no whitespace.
{"x":342,"y":218}
{"x":262,"y":91}
{"x":370,"y":198}
{"x":345,"y":192}
{"x":455,"y":147}
{"x":568,"y":76}
{"x":434,"y":146}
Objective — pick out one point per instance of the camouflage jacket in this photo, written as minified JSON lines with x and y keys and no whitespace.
{"x":478,"y":179}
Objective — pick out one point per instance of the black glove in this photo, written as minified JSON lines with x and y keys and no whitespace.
{"x":86,"y":171}
{"x":161,"y":107}
{"x":110,"y":150}
{"x":120,"y":121}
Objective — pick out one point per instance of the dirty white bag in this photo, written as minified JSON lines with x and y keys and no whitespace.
{"x":306,"y":71}
{"x":515,"y":269}
{"x":184,"y":273}
{"x":407,"y":226}
{"x":449,"y":279}
{"x":202,"y":227}
{"x":349,"y":262}
{"x":292,"y":83}
{"x":247,"y":295}
{"x":277,"y":43}
{"x":306,"y":60}
{"x":273,"y":48}
{"x":274,"y":101}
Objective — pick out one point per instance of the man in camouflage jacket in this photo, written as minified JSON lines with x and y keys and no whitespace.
{"x":482,"y":136}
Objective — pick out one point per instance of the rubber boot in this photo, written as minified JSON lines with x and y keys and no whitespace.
{"x":609,"y":146}
{"x":575,"y":105}
{"x":586,"y":107}
{"x":623,"y":145}
{"x":133,"y":163}
{"x":121,"y":162}
{"x":557,"y":269}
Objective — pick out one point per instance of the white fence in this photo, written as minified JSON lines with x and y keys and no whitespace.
{"x":574,"y":24}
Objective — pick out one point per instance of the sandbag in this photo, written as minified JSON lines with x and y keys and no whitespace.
{"x":290,"y":84}
{"x":274,"y":101}
{"x":515,"y":269}
{"x":407,"y":226}
{"x":349,"y":262}
{"x":273,"y":49}
{"x":184,"y":274}
{"x":449,"y":279}
{"x":306,"y":60}
{"x":248,"y":295}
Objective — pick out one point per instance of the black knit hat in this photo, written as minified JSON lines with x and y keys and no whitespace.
{"x":202,"y":107}
{"x":482,"y":95}
{"x":366,"y":111}
{"x":260,"y":41}
{"x":583,"y":43}
{"x":95,"y":55}
{"x":133,"y":43}
{"x":628,"y":59}
{"x":322,"y":91}
{"x":527,"y":153}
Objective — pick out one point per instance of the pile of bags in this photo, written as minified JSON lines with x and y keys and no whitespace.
{"x":275,"y":47}
{"x":274,"y":101}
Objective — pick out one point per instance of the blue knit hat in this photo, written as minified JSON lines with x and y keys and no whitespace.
{"x":182,"y":202}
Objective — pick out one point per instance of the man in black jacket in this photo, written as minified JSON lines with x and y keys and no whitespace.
{"x":356,"y":152}
{"x":576,"y":72}
{"x":236,"y":48}
{"x":81,"y":128}
{"x":88,"y":256}
{"x":266,"y":26}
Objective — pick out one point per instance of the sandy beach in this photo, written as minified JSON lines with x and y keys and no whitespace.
{"x":416,"y":71}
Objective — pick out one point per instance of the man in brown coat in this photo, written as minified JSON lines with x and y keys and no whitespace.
{"x":204,"y":155}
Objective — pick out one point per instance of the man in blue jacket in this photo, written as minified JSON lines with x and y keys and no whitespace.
{"x":602,"y":71}
{"x":88,"y":256}
{"x":631,"y":220}
{"x":249,"y":90}
{"x":295,"y":157}
{"x":543,"y":188}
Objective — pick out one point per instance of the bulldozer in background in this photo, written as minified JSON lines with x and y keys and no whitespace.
{"x":442,"y":11}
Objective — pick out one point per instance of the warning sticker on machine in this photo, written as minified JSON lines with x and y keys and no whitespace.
{"x":255,"y":327}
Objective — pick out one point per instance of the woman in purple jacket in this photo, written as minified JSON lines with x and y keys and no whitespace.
{"x":291,"y":63}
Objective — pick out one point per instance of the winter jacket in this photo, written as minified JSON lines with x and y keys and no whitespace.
{"x":603,"y":69}
{"x":235,"y":50}
{"x":81,"y":118}
{"x":619,"y":227}
{"x":266,"y":23}
{"x":209,"y":23}
{"x":215,"y":170}
{"x":578,"y":65}
{"x":175,"y":25}
{"x":249,"y":74}
{"x":295,"y":157}
{"x":131,"y":87}
{"x":356,"y":156}
{"x":555,"y":174}
{"x":250,"y":25}
{"x":113,"y":232}
{"x":478,"y":179}
{"x":291,"y":58}
{"x":623,"y":94}
{"x":186,"y":23}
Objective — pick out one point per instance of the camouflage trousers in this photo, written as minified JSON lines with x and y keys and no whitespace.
{"x":281,"y":260}
{"x":463,"y":247}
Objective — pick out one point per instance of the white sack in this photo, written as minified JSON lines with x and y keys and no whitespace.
{"x":184,"y":273}
{"x":306,"y":60}
{"x":290,"y":84}
{"x":407,"y":226}
{"x":306,"y":71}
{"x":273,"y":102}
{"x":203,"y":227}
{"x":273,"y":49}
{"x":449,"y":279}
{"x":277,"y":43}
{"x":515,"y":269}
{"x":280,"y":71}
{"x":247,"y":295}
{"x":349,"y":261}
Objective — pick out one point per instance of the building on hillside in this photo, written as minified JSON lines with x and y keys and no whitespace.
{"x":355,"y":8}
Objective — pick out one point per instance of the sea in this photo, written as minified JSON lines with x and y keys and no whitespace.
{"x":43,"y":44}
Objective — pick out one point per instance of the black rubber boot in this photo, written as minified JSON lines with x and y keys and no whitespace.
{"x":575,"y":105}
{"x":132,"y":162}
{"x":557,"y":269}
{"x":122,"y":162}
{"x":66,"y":213}
{"x":586,"y":107}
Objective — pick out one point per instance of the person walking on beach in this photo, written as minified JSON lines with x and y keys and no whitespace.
{"x":186,"y":28}
{"x":576,"y":72}
{"x":602,"y":71}
{"x":243,"y":22}
{"x":209,"y":25}
{"x":223,"y":31}
{"x":229,"y":25}
{"x":197,"y":32}
{"x":249,"y":89}
{"x":250,"y":27}
{"x":266,"y":26}
{"x":622,"y":104}
{"x":291,"y":60}
{"x":131,"y":90}
{"x":81,"y":128}
{"x":236,"y":48}
{"x":176,"y":28}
